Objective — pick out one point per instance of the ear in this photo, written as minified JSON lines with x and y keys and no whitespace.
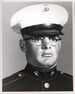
{"x":22,"y":45}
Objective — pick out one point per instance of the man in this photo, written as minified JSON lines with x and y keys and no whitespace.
{"x":41,"y":28}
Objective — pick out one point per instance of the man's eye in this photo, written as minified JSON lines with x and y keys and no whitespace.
{"x":37,"y":39}
{"x":56,"y":38}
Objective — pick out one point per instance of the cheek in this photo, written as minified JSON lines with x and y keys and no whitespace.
{"x":36,"y":50}
{"x":33,"y":50}
{"x":56,"y":48}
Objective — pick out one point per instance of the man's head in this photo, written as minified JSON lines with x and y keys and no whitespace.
{"x":41,"y":27}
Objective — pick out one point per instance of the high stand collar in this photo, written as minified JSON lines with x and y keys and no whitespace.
{"x":36,"y":73}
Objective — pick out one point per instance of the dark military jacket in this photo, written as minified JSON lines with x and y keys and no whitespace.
{"x":31,"y":79}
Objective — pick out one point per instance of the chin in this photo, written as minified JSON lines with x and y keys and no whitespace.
{"x":47,"y":63}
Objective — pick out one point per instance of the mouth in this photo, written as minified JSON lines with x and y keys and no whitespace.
{"x":47,"y":54}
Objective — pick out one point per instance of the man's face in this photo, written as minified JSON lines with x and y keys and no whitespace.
{"x":43,"y":50}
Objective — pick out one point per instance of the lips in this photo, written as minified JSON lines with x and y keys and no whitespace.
{"x":47,"y":54}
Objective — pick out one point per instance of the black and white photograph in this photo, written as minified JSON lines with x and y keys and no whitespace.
{"x":37,"y":45}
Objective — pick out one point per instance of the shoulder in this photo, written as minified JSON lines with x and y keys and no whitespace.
{"x":65,"y":76}
{"x":64,"y":81}
{"x":13,"y":78}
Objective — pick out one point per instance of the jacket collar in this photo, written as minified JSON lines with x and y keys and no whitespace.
{"x":36,"y":73}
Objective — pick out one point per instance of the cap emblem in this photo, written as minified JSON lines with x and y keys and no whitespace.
{"x":45,"y":8}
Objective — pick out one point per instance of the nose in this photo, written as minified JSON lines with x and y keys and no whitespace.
{"x":46,"y":44}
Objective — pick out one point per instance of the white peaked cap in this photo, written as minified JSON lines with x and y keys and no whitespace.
{"x":39,"y":14}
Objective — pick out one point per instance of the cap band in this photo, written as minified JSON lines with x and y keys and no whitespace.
{"x":42,"y":29}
